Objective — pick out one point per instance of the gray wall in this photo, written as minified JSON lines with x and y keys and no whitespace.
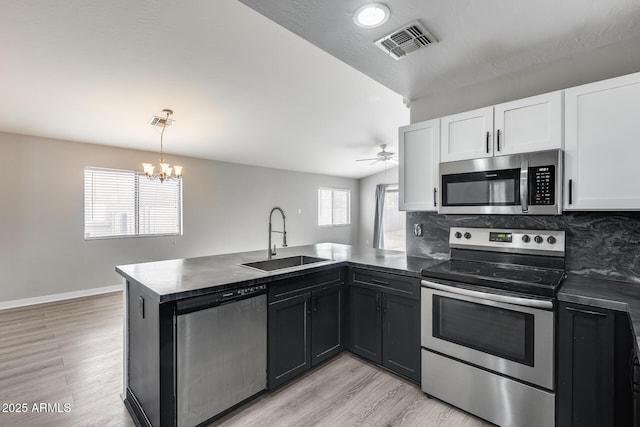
{"x":226,"y":207}
{"x":598,"y":244}
{"x":602,"y":63}
{"x":368,"y":202}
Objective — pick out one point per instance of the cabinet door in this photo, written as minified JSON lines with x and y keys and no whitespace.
{"x":289,"y":328}
{"x":365,"y":322}
{"x":467,"y":135}
{"x":326,"y":323}
{"x":401,"y":335}
{"x":419,"y":146}
{"x":529,"y":124}
{"x":602,"y":124}
{"x":585,"y":366}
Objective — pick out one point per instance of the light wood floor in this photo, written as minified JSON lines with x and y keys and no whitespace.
{"x":70,"y":353}
{"x":347,"y":391}
{"x":67,"y":352}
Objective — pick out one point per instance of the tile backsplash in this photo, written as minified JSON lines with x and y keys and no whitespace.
{"x":598,"y":244}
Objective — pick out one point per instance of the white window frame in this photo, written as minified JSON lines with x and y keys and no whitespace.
{"x":333,"y":191}
{"x":394,"y":188}
{"x":135,"y":199}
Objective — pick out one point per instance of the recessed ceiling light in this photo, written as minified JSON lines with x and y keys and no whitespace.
{"x":371,"y":15}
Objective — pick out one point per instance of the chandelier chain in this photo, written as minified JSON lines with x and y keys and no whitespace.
{"x":166,"y":171}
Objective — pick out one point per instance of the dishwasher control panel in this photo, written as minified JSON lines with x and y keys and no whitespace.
{"x":189,"y":305}
{"x":244,"y":291}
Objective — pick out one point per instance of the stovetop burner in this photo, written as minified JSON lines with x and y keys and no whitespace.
{"x":509,"y":277}
{"x":464,"y":268}
{"x":487,"y":259}
{"x":516,"y":276}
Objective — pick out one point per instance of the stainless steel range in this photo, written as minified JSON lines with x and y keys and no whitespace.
{"x":488,"y":327}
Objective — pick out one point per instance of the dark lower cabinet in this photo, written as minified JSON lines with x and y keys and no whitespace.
{"x":305,"y":324}
{"x":595,"y":354}
{"x":384,"y":320}
{"x":635,"y":385}
{"x":401,"y":335}
{"x":326,"y":323}
{"x":365,"y":322}
{"x":288,"y":335}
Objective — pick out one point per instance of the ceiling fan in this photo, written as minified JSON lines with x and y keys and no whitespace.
{"x":382,"y":156}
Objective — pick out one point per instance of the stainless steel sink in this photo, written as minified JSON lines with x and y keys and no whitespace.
{"x":282,"y":263}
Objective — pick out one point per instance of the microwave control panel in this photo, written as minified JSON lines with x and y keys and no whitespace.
{"x":542,"y":185}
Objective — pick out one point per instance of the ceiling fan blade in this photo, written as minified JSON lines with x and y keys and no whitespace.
{"x":364,"y":160}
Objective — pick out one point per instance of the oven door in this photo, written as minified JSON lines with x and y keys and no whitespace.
{"x":509,"y":335}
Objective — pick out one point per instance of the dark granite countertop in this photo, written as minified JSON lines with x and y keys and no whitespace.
{"x":180,"y":278}
{"x":609,"y":294}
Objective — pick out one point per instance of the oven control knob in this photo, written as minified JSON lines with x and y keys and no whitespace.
{"x":526,"y":238}
{"x":551,"y":240}
{"x":467,"y":235}
{"x":458,"y":234}
{"x":538,"y":239}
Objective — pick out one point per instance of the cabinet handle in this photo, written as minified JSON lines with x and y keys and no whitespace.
{"x":141,"y":306}
{"x":314,"y":304}
{"x":593,"y":313}
{"x":488,"y":142}
{"x":377,"y":302}
{"x":498,"y":139}
{"x":435,"y":197}
{"x":570,"y":191}
{"x":384,"y":304}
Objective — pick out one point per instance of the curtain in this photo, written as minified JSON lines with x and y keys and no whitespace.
{"x":378,"y":232}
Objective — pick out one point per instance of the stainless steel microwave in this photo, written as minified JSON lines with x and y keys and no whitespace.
{"x":518,"y":184}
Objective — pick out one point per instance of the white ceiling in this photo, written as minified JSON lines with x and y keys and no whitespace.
{"x":243,"y":88}
{"x":478,"y":40}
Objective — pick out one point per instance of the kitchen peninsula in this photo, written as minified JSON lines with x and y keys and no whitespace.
{"x":170,"y":320}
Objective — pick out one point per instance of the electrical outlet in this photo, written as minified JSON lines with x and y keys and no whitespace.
{"x":417,"y":230}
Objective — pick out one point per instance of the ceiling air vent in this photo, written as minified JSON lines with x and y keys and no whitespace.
{"x":407,"y":40}
{"x":161,"y":121}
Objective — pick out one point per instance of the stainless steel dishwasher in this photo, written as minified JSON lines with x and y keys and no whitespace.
{"x":221,"y":352}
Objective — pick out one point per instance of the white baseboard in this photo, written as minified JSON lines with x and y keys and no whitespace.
{"x":58,"y":297}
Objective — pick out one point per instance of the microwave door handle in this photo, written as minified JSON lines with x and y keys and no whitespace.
{"x":524,"y":185}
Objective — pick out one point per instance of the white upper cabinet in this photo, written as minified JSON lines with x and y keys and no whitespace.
{"x":419,"y":150}
{"x":521,"y":126}
{"x":530,"y":124}
{"x":602,"y":145}
{"x":467,"y":135}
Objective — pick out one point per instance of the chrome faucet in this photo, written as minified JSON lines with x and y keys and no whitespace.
{"x":283,"y":232}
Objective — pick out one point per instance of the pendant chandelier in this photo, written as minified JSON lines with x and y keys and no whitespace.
{"x":166,"y":171}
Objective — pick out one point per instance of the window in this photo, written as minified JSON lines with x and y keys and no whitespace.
{"x":119,"y":203}
{"x":334,"y":207}
{"x":393,"y":221}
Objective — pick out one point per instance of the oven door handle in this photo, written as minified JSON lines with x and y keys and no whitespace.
{"x":524,"y":185}
{"x":527,"y":302}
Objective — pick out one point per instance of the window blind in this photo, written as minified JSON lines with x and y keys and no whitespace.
{"x":159,"y":206}
{"x":120,"y":203}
